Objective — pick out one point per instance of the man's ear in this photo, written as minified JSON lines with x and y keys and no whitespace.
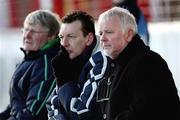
{"x":90,"y":38}
{"x":129,"y":35}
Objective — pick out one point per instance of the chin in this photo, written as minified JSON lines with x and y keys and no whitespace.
{"x":71,"y":57}
{"x":29,"y":49}
{"x":25,"y":48}
{"x":106,"y":53}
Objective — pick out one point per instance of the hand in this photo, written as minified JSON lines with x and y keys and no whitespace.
{"x":56,"y":111}
{"x":53,"y":109}
{"x":66,"y":69}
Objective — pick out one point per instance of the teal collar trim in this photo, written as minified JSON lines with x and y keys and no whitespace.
{"x":50,"y":44}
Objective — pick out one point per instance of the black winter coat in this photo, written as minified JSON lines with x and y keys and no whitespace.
{"x":141,"y":87}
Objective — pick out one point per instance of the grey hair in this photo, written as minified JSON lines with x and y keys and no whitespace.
{"x":127,"y":20}
{"x":47,"y":19}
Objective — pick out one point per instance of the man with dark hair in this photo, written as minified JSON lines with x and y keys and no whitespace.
{"x":78,"y":44}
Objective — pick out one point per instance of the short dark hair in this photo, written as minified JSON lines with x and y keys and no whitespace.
{"x":86,"y":20}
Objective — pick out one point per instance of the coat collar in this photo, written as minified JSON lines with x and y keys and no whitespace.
{"x":133,"y":48}
{"x":35,"y":54}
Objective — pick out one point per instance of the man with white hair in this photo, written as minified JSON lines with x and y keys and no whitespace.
{"x":139,"y":84}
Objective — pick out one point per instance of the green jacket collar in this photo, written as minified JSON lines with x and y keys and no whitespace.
{"x":50,"y":44}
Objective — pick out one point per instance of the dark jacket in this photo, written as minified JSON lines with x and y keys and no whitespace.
{"x":142,"y":87}
{"x":58,"y":104}
{"x":85,"y":105}
{"x":31,"y":85}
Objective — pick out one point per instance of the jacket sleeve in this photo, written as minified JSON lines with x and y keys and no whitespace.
{"x":40,"y":87}
{"x":6,"y":113}
{"x":54,"y":108}
{"x":84,"y":106}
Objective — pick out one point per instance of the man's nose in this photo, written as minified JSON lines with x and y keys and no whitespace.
{"x":64,"y":42}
